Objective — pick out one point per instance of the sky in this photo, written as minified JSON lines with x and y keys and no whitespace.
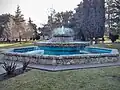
{"x":38,"y":10}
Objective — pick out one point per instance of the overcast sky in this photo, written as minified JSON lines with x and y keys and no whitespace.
{"x":37,"y":9}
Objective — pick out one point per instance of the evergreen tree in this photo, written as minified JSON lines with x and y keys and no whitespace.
{"x":90,"y":19}
{"x":109,"y":11}
{"x":57,"y":19}
{"x":33,"y":28}
{"x":19,"y":20}
{"x":76,"y":22}
{"x":113,"y":19}
{"x":18,"y":16}
{"x":4,"y":29}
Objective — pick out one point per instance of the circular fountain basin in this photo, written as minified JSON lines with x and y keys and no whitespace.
{"x":62,"y":50}
{"x":53,"y":55}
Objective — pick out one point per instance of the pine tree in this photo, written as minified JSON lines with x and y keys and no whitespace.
{"x":90,"y":19}
{"x":33,"y":28}
{"x":113,"y":19}
{"x":76,"y":22}
{"x":19,"y":20}
{"x":18,"y":16}
{"x":58,"y":19}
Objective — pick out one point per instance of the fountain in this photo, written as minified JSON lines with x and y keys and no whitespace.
{"x":61,"y":49}
{"x":62,"y":37}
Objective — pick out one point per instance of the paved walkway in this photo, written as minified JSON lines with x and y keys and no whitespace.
{"x":71,"y":67}
{"x":1,"y":70}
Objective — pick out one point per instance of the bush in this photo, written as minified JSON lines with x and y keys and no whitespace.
{"x":25,"y":64}
{"x":113,"y":37}
{"x":9,"y":67}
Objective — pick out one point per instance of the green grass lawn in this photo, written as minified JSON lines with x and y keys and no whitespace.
{"x":84,"y":79}
{"x":107,"y":39}
{"x":107,"y":78}
{"x":12,"y":45}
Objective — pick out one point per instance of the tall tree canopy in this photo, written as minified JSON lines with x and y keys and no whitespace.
{"x":57,"y":19}
{"x":113,"y":16}
{"x":4,"y":29}
{"x":18,"y":16}
{"x":33,"y":27}
{"x":20,"y":22}
{"x":90,"y":19}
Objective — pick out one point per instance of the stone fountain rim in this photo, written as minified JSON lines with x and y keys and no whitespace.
{"x":114,"y":52}
{"x":81,"y":42}
{"x":63,"y":59}
{"x":62,"y":44}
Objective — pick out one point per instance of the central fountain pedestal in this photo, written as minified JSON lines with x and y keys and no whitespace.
{"x":63,"y":37}
{"x":63,"y":44}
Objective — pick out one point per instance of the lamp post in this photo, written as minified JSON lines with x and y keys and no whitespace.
{"x":2,"y":28}
{"x":33,"y":36}
{"x":20,"y":36}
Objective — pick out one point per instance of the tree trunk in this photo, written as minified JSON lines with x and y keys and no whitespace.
{"x":91,"y":41}
{"x":103,"y":39}
{"x":96,"y":40}
{"x":20,"y":39}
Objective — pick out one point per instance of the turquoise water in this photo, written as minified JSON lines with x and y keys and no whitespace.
{"x":61,"y":50}
{"x":47,"y":50}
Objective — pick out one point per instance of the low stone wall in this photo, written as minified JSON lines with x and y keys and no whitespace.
{"x":63,"y":60}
